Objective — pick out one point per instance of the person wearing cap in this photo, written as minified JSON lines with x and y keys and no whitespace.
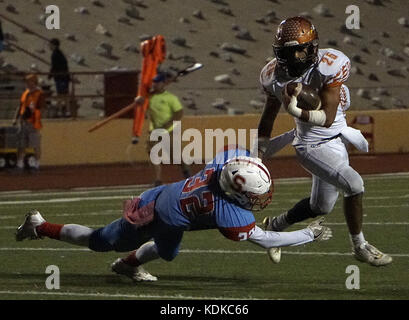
{"x":28,"y":116}
{"x":59,"y":71}
{"x":164,"y":109}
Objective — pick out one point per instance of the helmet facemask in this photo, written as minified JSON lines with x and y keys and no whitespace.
{"x":258,"y":202}
{"x":296,"y":59}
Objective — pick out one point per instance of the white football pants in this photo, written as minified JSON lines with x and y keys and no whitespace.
{"x":329,"y":165}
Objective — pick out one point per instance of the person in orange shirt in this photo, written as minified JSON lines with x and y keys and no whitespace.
{"x":28,"y":116}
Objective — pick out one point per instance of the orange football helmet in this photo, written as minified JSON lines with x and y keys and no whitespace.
{"x":296,"y":45}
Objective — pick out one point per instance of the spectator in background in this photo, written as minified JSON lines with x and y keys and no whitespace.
{"x":59,"y":71}
{"x":164,"y":108}
{"x":28,"y":114}
{"x":1,"y":38}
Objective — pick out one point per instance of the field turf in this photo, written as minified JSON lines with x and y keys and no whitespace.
{"x":208,"y":266}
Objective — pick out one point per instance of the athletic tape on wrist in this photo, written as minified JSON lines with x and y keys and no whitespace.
{"x":293,"y":109}
{"x":317,"y":117}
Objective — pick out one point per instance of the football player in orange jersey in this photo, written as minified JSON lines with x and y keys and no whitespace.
{"x":320,"y":136}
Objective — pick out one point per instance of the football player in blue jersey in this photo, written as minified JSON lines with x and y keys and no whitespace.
{"x":222,"y":196}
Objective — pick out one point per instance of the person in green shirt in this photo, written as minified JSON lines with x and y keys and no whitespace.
{"x":164,"y":108}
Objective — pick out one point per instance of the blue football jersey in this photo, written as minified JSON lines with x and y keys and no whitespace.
{"x":198,"y":202}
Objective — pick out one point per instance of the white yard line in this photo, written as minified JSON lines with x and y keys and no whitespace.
{"x":27,"y":194}
{"x":396,"y":175}
{"x":200,"y":251}
{"x":88,"y":225}
{"x":385,"y":206}
{"x":368,"y":193}
{"x":82,"y":214}
{"x":117,"y":295}
{"x":365,"y":223}
{"x":82,"y":190}
{"x":123,"y":197}
{"x":365,"y":198}
{"x":387,"y":175}
{"x":61,"y":200}
{"x":105,"y":188}
{"x":124,"y":188}
{"x":366,"y":206}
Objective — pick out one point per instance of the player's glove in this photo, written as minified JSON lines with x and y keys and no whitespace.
{"x":320,"y":232}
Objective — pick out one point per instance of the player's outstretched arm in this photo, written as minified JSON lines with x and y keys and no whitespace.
{"x":269,"y":239}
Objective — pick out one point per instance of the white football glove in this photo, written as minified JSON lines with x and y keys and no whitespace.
{"x":321,"y":233}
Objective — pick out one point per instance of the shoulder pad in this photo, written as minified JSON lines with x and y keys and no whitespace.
{"x":267,"y":73}
{"x":334,"y":66}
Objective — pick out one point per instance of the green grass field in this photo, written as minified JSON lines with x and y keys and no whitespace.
{"x":208,"y":266}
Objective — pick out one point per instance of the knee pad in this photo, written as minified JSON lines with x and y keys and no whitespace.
{"x":323,"y":203}
{"x":167,"y":255}
{"x":322,"y":208}
{"x":98,"y":243}
{"x":353,"y":183}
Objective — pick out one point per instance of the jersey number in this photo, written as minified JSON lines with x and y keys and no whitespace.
{"x":245,"y":235}
{"x":194,"y":204}
{"x":329,"y":58}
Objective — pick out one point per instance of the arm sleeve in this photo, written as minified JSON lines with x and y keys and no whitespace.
{"x":269,"y":239}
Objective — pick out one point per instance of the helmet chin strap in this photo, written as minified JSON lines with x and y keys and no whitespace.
{"x":299,"y":69}
{"x":296,"y":71}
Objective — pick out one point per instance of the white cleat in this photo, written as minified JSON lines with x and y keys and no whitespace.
{"x":273,"y":253}
{"x":369,"y":254}
{"x":137,"y":274}
{"x":28,"y":228}
{"x":321,"y":233}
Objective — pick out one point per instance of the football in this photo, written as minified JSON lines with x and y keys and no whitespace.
{"x":308,"y":99}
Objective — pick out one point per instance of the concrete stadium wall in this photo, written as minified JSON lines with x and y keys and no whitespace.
{"x":68,"y":142}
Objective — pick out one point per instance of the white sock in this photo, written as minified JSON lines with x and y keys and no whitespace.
{"x":76,"y":234}
{"x":147,"y":252}
{"x":357,"y":239}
